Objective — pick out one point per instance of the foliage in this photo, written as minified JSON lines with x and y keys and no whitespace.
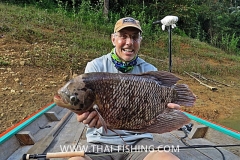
{"x":75,"y":37}
{"x":206,"y":20}
{"x":78,"y":35}
{"x":3,"y":62}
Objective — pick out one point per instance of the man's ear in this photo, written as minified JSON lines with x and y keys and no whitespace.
{"x":141,"y":38}
{"x":113,"y":39}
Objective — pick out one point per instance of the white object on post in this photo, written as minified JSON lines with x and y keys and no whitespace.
{"x":169,"y":21}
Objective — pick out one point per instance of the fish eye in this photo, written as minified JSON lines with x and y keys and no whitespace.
{"x":73,"y":98}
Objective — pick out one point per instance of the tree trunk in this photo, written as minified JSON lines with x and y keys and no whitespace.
{"x":106,"y":8}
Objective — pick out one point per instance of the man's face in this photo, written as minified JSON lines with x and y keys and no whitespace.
{"x":127,"y":43}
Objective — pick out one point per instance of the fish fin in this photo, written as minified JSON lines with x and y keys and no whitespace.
{"x":169,"y":120}
{"x":166,"y":78}
{"x":185,"y":96}
{"x":95,"y":107}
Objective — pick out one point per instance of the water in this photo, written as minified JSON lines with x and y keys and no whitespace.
{"x":232,"y":122}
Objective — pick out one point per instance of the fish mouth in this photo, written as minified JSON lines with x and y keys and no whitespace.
{"x":60,"y":102}
{"x":64,"y":95}
{"x":58,"y":98}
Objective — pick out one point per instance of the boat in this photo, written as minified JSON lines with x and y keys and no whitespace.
{"x":53,"y":132}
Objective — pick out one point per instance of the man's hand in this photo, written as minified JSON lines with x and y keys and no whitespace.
{"x":173,"y":105}
{"x":89,"y":118}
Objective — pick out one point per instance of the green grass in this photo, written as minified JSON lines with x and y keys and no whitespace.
{"x":3,"y":62}
{"x":60,"y":37}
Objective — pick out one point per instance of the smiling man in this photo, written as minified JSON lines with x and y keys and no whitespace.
{"x":123,"y":58}
{"x":127,"y":39}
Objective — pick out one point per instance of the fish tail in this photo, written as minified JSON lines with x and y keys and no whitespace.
{"x":185,"y":97}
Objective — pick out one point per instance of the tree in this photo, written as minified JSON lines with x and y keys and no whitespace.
{"x":106,"y":8}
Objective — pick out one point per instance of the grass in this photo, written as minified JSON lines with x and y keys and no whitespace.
{"x":59,"y":38}
{"x":3,"y":62}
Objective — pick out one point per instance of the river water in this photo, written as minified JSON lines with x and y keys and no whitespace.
{"x":232,"y":122}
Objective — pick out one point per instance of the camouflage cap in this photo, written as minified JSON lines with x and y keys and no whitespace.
{"x":127,"y":22}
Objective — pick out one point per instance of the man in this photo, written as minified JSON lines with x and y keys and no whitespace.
{"x":122,"y":59}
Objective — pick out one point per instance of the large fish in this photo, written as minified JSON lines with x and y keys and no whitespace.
{"x":135,"y":102}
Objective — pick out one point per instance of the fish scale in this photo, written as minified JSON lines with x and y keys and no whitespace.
{"x":136,"y":102}
{"x":126,"y":88}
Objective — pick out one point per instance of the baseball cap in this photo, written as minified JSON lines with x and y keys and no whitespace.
{"x":127,"y":22}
